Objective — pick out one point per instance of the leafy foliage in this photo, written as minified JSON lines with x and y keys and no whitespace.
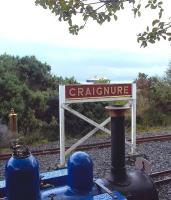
{"x":28,"y":86}
{"x":154,"y":100}
{"x":168,"y":74}
{"x":107,"y":10}
{"x":36,"y":102}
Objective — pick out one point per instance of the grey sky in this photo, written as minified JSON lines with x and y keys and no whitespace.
{"x":110,"y":50}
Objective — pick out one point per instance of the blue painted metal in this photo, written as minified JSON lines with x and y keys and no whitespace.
{"x":61,"y":190}
{"x":22,"y":178}
{"x":65,"y":193}
{"x":80,"y":172}
{"x":2,"y":184}
{"x":2,"y":189}
{"x":55,"y":178}
{"x":119,"y":195}
{"x":105,"y":196}
{"x":56,"y":173}
{"x":64,"y":185}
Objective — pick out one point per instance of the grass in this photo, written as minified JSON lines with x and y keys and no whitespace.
{"x":4,"y":150}
{"x":35,"y":141}
{"x":27,"y":141}
{"x":152,"y":129}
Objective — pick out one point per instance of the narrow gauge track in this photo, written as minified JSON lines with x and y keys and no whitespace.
{"x":165,"y":177}
{"x":106,"y":144}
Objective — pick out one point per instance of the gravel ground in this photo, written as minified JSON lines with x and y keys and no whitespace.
{"x":158,"y":153}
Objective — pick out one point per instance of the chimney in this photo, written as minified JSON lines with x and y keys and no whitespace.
{"x":118,"y":171}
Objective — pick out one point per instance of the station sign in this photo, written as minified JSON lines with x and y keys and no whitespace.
{"x":98,"y":91}
{"x":82,"y":93}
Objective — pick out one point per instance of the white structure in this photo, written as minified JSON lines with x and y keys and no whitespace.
{"x":95,"y":78}
{"x":94,"y":93}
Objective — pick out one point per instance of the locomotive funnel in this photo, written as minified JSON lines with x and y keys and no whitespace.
{"x":134,"y":184}
{"x":118,"y":170}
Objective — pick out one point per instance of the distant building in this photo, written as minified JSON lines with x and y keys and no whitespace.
{"x":97,"y":79}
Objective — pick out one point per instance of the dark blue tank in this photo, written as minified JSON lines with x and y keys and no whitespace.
{"x":22,"y":177}
{"x":80,"y":172}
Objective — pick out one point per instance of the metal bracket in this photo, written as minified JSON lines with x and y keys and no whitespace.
{"x":143,"y":164}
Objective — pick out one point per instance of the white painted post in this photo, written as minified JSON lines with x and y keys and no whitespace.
{"x":62,"y":124}
{"x":63,"y":104}
{"x":133,"y":120}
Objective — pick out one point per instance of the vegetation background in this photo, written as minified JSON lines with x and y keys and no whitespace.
{"x":27,"y":85}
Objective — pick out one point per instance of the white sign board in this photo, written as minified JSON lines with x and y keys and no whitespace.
{"x":69,"y":94}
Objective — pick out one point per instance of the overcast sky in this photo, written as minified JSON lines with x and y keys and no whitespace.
{"x":110,"y":50}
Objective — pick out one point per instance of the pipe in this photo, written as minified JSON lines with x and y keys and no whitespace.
{"x":118,"y":171}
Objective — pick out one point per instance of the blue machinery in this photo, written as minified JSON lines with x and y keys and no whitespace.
{"x":23,"y":182}
{"x":72,"y":183}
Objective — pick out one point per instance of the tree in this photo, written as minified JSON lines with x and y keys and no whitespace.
{"x":106,"y":10}
{"x":168,"y":74}
{"x":153,"y":100}
{"x":27,"y":85}
{"x":33,"y":72}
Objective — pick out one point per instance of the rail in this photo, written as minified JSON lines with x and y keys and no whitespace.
{"x":163,"y":177}
{"x":5,"y":156}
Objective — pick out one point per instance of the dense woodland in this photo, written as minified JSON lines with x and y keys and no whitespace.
{"x":28,"y":86}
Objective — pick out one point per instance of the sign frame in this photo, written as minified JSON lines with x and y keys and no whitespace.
{"x":64,"y":103}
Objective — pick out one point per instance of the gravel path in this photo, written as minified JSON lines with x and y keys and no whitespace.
{"x":158,"y":153}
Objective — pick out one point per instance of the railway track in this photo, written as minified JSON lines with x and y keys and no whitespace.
{"x":106,"y":144}
{"x":163,"y":177}
{"x":154,"y":138}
